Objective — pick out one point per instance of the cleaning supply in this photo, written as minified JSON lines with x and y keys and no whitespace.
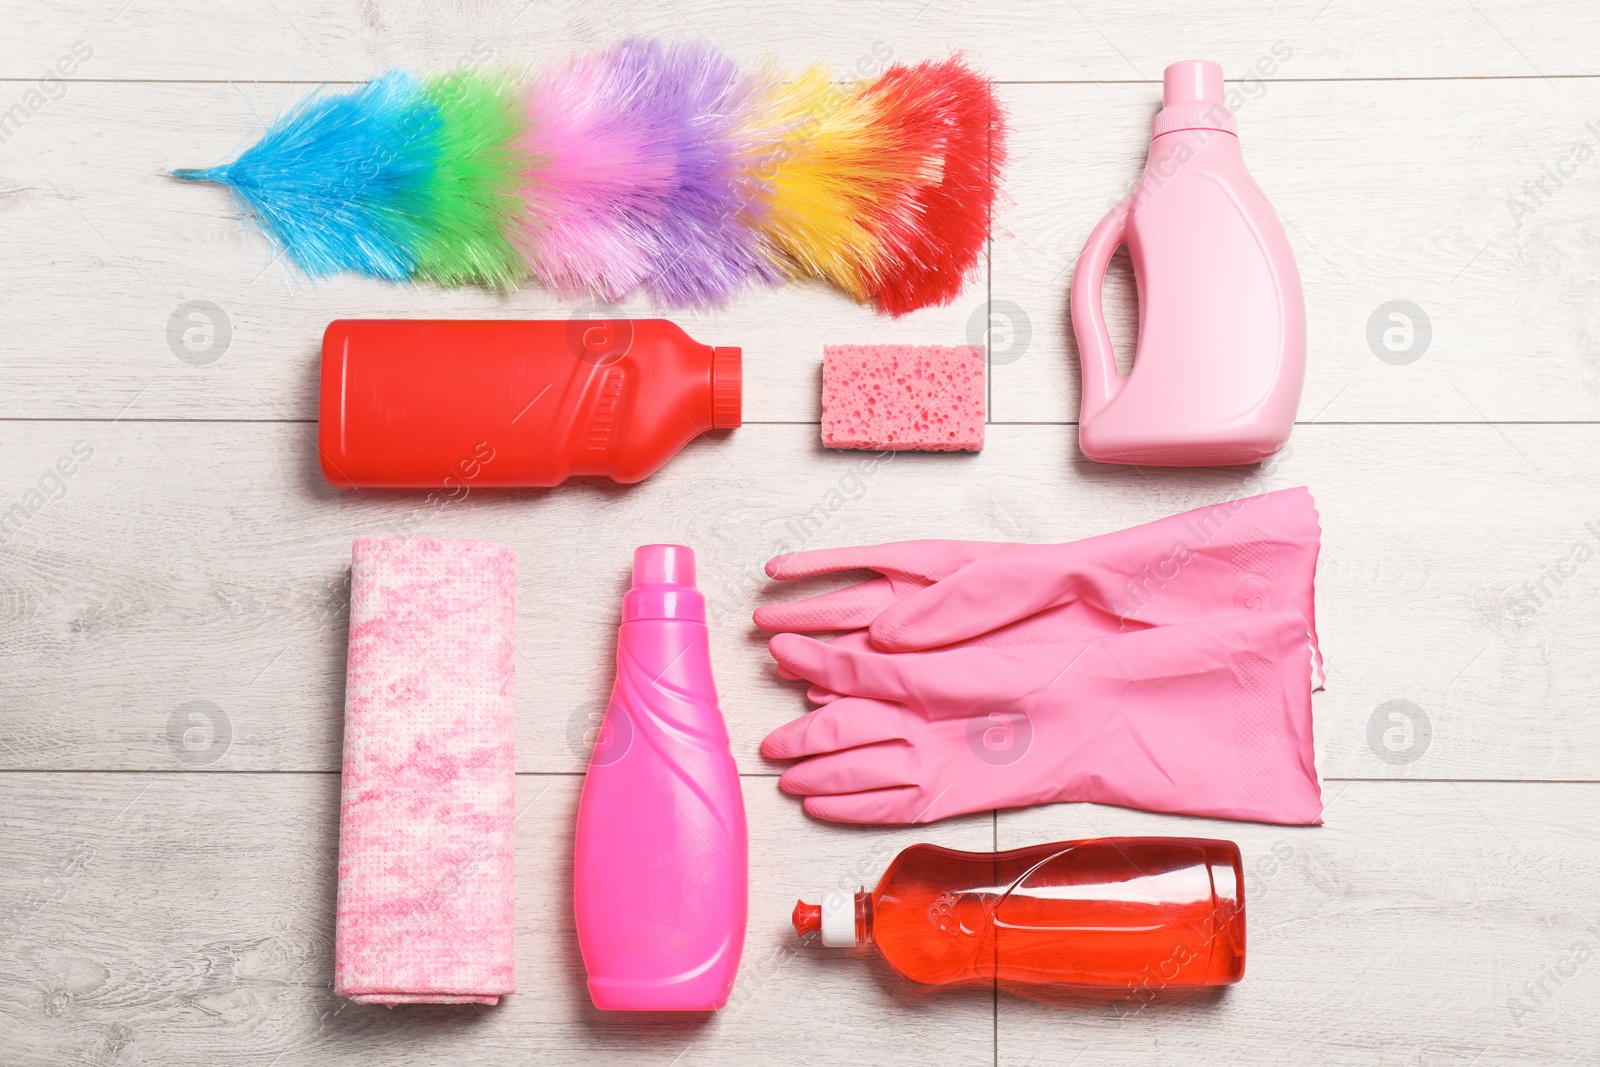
{"x":1141,"y":913}
{"x":654,"y":166}
{"x":458,"y":405}
{"x":1221,"y":354}
{"x":662,"y":859}
{"x":1207,"y":718}
{"x":425,"y":896}
{"x":903,"y":397}
{"x":1254,"y":554}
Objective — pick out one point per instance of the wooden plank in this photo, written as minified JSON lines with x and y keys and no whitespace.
{"x":1426,"y":923}
{"x":207,"y":562}
{"x":1443,"y":194}
{"x":1014,"y":39}
{"x":189,"y":918}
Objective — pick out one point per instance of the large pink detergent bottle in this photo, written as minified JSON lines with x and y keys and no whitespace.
{"x":1222,"y":325}
{"x":662,"y":864}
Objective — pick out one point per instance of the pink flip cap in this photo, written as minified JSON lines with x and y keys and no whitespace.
{"x":663,"y":585}
{"x":1193,"y":81}
{"x":663,"y":565}
{"x":1192,"y":99}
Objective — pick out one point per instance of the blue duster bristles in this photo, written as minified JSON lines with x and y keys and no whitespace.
{"x":342,"y":182}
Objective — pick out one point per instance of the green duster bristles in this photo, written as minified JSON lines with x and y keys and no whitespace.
{"x":474,"y":194}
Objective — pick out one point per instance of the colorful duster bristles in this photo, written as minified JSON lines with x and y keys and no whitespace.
{"x":474,"y":193}
{"x":650,"y":166}
{"x":340,"y":183}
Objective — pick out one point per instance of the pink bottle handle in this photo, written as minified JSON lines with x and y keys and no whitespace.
{"x":1101,"y":382}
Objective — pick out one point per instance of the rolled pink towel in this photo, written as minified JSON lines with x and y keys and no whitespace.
{"x":425,"y":882}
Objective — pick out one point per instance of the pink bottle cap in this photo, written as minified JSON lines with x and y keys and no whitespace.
{"x":663,"y":585}
{"x":663,"y":565}
{"x":1192,"y":99}
{"x":1193,"y":81}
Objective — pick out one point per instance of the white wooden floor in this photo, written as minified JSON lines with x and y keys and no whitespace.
{"x":170,"y":905}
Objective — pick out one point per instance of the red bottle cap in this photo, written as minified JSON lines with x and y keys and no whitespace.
{"x":807,"y":918}
{"x":839,"y":918}
{"x":727,"y":388}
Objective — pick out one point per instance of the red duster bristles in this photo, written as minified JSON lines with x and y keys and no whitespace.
{"x":933,"y":237}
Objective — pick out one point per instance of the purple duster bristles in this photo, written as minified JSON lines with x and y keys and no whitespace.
{"x":597,"y":178}
{"x":706,"y":245}
{"x":641,"y":176}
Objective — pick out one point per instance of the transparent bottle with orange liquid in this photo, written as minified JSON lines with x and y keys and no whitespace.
{"x":1152,"y":912}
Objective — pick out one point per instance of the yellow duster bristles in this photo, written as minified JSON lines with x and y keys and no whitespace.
{"x":836,"y":178}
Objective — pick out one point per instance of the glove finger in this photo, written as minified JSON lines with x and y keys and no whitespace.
{"x":844,"y":723}
{"x":840,"y":609}
{"x":862,"y":674}
{"x":935,"y":685}
{"x":982,"y":596}
{"x":878,"y":807}
{"x":928,"y":559}
{"x":856,"y":640}
{"x":853,"y":770}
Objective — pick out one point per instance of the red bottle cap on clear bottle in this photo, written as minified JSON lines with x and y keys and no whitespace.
{"x":837,"y":918}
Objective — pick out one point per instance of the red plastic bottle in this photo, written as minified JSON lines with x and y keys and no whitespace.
{"x":416,"y":403}
{"x":1150,"y":912}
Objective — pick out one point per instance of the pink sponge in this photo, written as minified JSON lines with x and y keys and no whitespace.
{"x":924,"y":397}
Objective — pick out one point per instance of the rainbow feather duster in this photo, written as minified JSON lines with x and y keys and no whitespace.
{"x":649,"y":166}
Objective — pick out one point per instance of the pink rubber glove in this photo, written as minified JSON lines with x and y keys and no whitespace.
{"x":1045,"y":628}
{"x":1210,"y":718}
{"x":1063,"y":623}
{"x":1254,"y":554}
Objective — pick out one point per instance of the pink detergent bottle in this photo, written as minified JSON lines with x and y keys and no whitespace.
{"x":1222,"y":335}
{"x":662,"y":865}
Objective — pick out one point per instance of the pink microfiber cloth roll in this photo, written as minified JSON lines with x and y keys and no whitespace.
{"x":903,"y":397}
{"x":425,"y":870}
